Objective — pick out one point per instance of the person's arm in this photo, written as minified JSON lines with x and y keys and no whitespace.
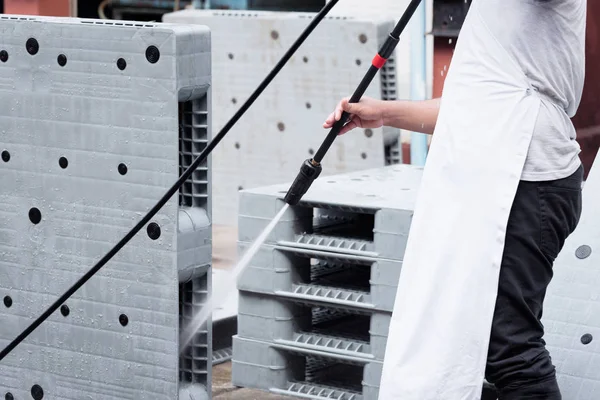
{"x":415,"y":116}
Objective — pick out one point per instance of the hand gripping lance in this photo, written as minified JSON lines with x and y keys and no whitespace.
{"x":311,"y":168}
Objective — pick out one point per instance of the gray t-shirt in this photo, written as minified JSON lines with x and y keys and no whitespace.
{"x":546,"y":38}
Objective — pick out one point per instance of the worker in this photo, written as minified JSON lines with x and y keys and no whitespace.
{"x":500,"y":193}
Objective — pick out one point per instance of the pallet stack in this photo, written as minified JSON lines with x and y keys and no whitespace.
{"x":316,"y":301}
{"x":102,"y":146}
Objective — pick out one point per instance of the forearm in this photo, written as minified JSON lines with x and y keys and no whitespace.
{"x":414,"y":116}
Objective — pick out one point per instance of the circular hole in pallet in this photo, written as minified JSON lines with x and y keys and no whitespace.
{"x":237,"y":145}
{"x":64,"y":310}
{"x":32,"y":46}
{"x":4,"y":56}
{"x":123,"y":320}
{"x":121,"y":64}
{"x":358,"y":62}
{"x":234,"y":100}
{"x":368,"y":132}
{"x":153,"y":230}
{"x":152,"y":54}
{"x":240,"y":188}
{"x":281,"y":126}
{"x":363,"y":155}
{"x":308,"y":105}
{"x":63,"y":162}
{"x":5,"y":156}
{"x":305,"y":59}
{"x":230,"y":55}
{"x":37,"y":392}
{"x":122,"y":168}
{"x":62,"y":60}
{"x":274,"y":35}
{"x":583,"y":252}
{"x":586,"y":339}
{"x":9,"y":396}
{"x":311,"y":151}
{"x":362,"y":38}
{"x":8,"y":301}
{"x":35,"y":215}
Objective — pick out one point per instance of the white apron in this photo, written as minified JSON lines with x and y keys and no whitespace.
{"x":440,"y":329}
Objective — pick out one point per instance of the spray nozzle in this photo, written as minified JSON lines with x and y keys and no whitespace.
{"x":309,"y":171}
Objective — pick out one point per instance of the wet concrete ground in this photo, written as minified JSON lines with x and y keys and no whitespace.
{"x":223,"y":390}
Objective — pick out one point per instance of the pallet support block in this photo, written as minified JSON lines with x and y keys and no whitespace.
{"x":98,"y":120}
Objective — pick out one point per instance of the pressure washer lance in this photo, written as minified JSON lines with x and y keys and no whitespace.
{"x":175,"y":188}
{"x":311,"y":168}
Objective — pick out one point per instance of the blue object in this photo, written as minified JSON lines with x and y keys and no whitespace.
{"x":418,"y":73}
{"x":227,"y":4}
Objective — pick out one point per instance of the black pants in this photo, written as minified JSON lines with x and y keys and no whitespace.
{"x":542,"y":216}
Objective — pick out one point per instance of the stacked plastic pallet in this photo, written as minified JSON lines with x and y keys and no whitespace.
{"x":102,"y":146}
{"x":315,"y":303}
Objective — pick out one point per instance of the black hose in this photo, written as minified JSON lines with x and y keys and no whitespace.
{"x":186,"y":174}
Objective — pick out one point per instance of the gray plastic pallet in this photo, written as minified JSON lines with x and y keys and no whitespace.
{"x":336,"y":278}
{"x":304,"y":92}
{"x":365,"y":213}
{"x":98,"y":120}
{"x":572,"y":307}
{"x":301,"y":372}
{"x":341,"y":332}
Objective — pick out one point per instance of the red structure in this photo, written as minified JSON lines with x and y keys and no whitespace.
{"x":52,"y":8}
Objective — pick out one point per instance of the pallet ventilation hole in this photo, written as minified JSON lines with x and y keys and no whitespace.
{"x":121,"y":64}
{"x":62,"y":60}
{"x":63,"y":162}
{"x":153,"y":231}
{"x":64,"y":310}
{"x":37,"y":392}
{"x":122,"y":168}
{"x":152,"y":54}
{"x":32,"y":46}
{"x":586,"y":339}
{"x":35,"y":215}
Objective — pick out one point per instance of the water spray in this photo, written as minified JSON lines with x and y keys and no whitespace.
{"x":175,"y":188}
{"x":311,"y":168}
